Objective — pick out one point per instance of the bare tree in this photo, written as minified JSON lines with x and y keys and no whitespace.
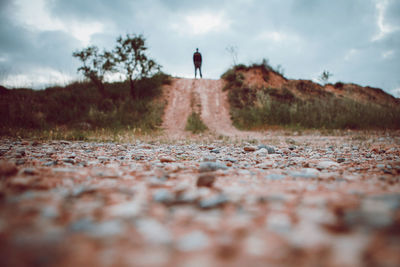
{"x":325,"y":76}
{"x":232,"y":50}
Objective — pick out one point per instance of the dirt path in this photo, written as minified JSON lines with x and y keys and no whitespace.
{"x":178,"y":108}
{"x":214,"y":108}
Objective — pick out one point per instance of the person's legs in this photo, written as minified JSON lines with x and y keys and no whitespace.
{"x":195,"y":72}
{"x":201,"y":75}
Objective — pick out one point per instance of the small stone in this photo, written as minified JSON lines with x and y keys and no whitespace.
{"x":7,"y":169}
{"x":72,"y":156}
{"x":326,"y":164}
{"x":70,"y":161}
{"x":50,"y":163}
{"x":193,"y":241}
{"x":232,"y":160}
{"x":163,"y":196}
{"x":290,"y":141}
{"x":125,"y":209}
{"x":250,"y":148}
{"x":340,"y":160}
{"x":275,"y":177}
{"x":206,"y":180}
{"x":261,"y":152}
{"x":211,"y":166}
{"x":380,"y":166}
{"x":20,"y":152}
{"x":29,"y":171}
{"x":279,"y":223}
{"x":102,"y":158}
{"x":213,"y":201}
{"x":209,"y":158}
{"x":305,"y":173}
{"x":265,"y":165}
{"x":153,"y":231}
{"x":20,"y":161}
{"x":216,"y":151}
{"x":107,"y":229}
{"x":270,"y":149}
{"x":166,"y":159}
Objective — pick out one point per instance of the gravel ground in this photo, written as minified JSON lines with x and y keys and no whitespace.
{"x":300,"y":200}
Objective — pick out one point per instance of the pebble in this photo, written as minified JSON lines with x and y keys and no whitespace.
{"x":305,"y":173}
{"x":206,"y":180}
{"x":102,"y":158}
{"x":107,"y":229}
{"x":166,"y":159}
{"x":153,"y":231}
{"x":213,"y":201}
{"x":193,"y":241}
{"x":7,"y":168}
{"x":270,"y":149}
{"x":250,"y":148}
{"x":326,"y":164}
{"x":261,"y":207}
{"x":209,"y":166}
{"x":68,"y":160}
{"x":261,"y":152}
{"x":232,"y":160}
{"x":163,"y":196}
{"x":209,"y":158}
{"x":50,"y":163}
{"x":275,"y":177}
{"x":20,"y":161}
{"x":29,"y":171}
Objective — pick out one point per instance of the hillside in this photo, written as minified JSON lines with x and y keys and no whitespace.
{"x":264,"y":77}
{"x":259,"y":96}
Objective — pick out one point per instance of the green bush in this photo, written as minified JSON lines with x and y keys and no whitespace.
{"x":256,"y":108}
{"x":333,"y":113}
{"x":194,"y":124}
{"x":82,"y":104}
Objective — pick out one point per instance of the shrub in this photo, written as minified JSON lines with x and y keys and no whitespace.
{"x":194,"y":124}
{"x":254,"y":108}
{"x":81,"y":103}
{"x":339,"y":85}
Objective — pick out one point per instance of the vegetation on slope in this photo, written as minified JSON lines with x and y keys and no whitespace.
{"x":258,"y":107}
{"x":194,"y":123}
{"x":80,"y":106}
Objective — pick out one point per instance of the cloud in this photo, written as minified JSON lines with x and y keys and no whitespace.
{"x":356,"y":40}
{"x":384,"y":28}
{"x":201,"y":23}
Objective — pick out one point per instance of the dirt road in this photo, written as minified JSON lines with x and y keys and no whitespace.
{"x":185,"y":94}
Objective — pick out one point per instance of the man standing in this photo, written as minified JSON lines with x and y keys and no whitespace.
{"x":197,"y":63}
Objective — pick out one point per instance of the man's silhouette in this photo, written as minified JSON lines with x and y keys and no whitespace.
{"x":197,"y":63}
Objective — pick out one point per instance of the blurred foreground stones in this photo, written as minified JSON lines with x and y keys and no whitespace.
{"x":303,"y":201}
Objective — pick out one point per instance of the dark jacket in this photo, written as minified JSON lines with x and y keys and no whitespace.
{"x":197,"y":58}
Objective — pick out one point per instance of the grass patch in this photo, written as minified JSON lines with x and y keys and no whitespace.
{"x":79,"y":107}
{"x":194,"y":124}
{"x":255,"y":108}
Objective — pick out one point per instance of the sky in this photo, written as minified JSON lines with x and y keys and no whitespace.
{"x":358,"y":41}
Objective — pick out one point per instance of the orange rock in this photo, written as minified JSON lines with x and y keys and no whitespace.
{"x":7,"y":169}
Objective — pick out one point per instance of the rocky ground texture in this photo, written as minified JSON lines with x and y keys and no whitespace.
{"x":300,"y":200}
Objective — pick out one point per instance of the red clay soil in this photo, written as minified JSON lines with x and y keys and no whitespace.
{"x":214,"y":108}
{"x":306,"y":89}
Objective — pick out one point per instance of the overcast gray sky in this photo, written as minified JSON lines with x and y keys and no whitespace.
{"x":356,"y":40}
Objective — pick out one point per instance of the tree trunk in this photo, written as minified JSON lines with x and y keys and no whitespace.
{"x":99,"y":85}
{"x":133,"y":91}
